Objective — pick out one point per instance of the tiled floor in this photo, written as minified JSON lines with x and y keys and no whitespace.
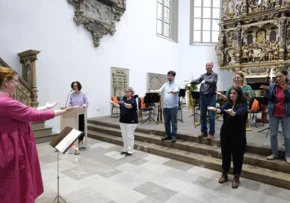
{"x":102,"y":175}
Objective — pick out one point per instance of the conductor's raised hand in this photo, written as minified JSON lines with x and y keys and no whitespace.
{"x":69,"y":108}
{"x":50,"y":105}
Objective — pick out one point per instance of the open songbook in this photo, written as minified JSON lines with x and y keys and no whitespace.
{"x":65,"y":139}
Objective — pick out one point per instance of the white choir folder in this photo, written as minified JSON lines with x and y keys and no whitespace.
{"x":65,"y":139}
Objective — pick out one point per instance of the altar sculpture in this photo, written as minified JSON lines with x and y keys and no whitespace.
{"x":254,"y":34}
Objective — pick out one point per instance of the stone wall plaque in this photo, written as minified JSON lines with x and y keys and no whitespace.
{"x":155,"y":81}
{"x":98,"y":16}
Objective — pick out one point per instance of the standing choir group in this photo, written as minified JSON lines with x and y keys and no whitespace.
{"x":19,"y":163}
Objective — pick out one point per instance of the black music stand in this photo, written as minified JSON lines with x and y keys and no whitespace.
{"x":149,"y":100}
{"x":195,"y":96}
{"x":61,"y":144}
{"x":181,"y":94}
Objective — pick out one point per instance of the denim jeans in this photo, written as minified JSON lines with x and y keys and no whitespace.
{"x":206,"y":101}
{"x":274,"y":125}
{"x":170,"y":115}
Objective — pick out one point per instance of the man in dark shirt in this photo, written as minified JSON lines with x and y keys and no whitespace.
{"x":207,"y":90}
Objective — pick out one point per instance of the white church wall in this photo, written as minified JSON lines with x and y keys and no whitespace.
{"x":67,"y":51}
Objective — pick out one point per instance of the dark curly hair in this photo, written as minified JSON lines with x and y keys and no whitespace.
{"x":78,"y":83}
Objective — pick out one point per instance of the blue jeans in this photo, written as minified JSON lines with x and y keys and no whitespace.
{"x":206,"y":101}
{"x":170,"y":115}
{"x":274,"y":125}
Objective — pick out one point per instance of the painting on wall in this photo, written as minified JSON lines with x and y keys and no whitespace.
{"x":119,"y":81}
{"x":155,"y":81}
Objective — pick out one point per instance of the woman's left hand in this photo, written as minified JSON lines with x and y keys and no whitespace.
{"x":50,"y":105}
{"x":229,"y":111}
{"x":286,"y":87}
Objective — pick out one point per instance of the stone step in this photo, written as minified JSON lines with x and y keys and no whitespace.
{"x":251,"y":148}
{"x":194,"y":147}
{"x":42,"y":132}
{"x":250,"y":172}
{"x":37,"y":125}
{"x":45,"y":138}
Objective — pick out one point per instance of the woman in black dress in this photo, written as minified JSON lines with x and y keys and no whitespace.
{"x":233,"y":133}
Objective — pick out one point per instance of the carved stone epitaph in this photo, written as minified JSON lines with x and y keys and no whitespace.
{"x":98,"y":16}
{"x":254,"y":36}
{"x":155,"y":81}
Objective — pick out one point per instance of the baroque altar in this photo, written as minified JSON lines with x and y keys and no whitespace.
{"x":254,"y":37}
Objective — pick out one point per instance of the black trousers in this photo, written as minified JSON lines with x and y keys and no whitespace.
{"x":82,"y":126}
{"x":232,"y":145}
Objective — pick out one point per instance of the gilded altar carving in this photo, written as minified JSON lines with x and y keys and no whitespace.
{"x":98,"y":16}
{"x":254,"y":36}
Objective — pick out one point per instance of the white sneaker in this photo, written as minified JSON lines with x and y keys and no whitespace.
{"x":287,"y":159}
{"x":272,"y":157}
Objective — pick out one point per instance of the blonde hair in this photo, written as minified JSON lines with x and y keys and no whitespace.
{"x":6,"y":73}
{"x":240,"y":73}
{"x":130,"y":89}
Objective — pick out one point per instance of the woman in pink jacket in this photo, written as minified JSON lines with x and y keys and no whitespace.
{"x":20,"y":175}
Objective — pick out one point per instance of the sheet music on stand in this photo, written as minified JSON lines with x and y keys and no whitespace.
{"x":65,"y":139}
{"x":62,"y":143}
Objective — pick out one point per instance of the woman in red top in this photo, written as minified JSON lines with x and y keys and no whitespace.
{"x":279,"y":110}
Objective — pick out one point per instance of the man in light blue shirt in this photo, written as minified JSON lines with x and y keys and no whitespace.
{"x":169,"y":92}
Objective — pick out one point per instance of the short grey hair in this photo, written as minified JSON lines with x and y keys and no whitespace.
{"x":212,"y":64}
{"x":130,"y":89}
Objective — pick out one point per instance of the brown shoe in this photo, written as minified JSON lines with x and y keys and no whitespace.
{"x":209,"y":137}
{"x":202,"y":135}
{"x":224,"y":178}
{"x":236,"y":182}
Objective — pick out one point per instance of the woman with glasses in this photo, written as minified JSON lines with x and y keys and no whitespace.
{"x":239,"y":80}
{"x":278,"y":94}
{"x":128,"y":120}
{"x":78,"y":98}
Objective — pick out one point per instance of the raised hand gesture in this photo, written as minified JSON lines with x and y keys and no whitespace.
{"x":285,"y":87}
{"x":264,"y":87}
{"x":50,"y":105}
{"x":211,"y":108}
